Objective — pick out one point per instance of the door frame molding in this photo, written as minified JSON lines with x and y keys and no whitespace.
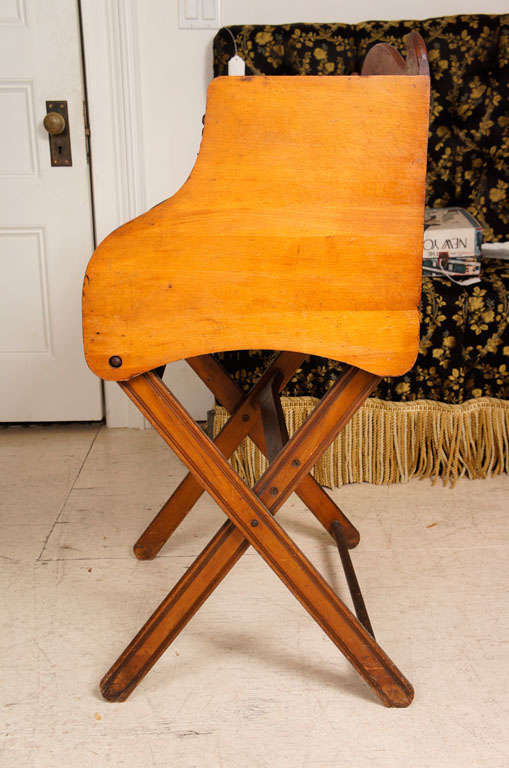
{"x":111,"y":58}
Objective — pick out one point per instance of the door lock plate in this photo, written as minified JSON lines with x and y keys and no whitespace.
{"x":60,"y":143}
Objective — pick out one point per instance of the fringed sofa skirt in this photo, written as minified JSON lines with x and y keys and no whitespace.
{"x":388,"y":442}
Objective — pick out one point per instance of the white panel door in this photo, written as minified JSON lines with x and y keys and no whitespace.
{"x":45,"y":219}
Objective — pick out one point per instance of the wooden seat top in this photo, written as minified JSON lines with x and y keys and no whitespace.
{"x":300,"y":228}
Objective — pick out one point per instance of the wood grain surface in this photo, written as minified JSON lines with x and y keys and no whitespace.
{"x":300,"y":228}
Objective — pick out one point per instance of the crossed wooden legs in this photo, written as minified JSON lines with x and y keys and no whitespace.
{"x":246,"y":420}
{"x":251,"y":522}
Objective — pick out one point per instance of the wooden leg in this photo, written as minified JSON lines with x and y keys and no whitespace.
{"x":276,"y":436}
{"x":245,"y":420}
{"x":245,"y":413}
{"x":308,"y":490}
{"x":252,"y":522}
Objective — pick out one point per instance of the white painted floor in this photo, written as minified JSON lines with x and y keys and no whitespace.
{"x":251,"y":681}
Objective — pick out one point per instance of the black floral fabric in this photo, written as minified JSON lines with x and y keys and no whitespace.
{"x":468,"y":149}
{"x":464,"y":340}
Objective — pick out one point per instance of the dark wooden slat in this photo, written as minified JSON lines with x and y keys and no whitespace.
{"x":252,"y":520}
{"x":273,"y":420}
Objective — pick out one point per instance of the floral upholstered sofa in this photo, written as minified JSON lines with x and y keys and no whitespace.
{"x":449,"y":416}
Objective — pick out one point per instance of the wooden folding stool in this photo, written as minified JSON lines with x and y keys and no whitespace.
{"x":300,"y":229}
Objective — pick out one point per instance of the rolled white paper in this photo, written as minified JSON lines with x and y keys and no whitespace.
{"x":236,"y":66}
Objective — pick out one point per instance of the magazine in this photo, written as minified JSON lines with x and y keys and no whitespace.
{"x":452,"y":244}
{"x":453,"y":231}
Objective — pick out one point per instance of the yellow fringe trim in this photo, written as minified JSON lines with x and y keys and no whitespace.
{"x":389,"y":442}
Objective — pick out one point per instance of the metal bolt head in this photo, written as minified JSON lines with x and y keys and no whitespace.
{"x":274,"y":491}
{"x":296,"y":463}
{"x":245,"y":417}
{"x":115,"y":361}
{"x":254,"y":523}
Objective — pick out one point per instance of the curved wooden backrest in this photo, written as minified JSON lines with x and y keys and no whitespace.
{"x":300,"y":229}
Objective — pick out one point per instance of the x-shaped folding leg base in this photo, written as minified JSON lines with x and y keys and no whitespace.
{"x":246,"y":420}
{"x":251,"y":522}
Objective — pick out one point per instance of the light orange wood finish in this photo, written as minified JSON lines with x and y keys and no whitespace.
{"x":300,"y":228}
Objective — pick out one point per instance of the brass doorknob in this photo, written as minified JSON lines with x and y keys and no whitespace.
{"x":54,"y":123}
